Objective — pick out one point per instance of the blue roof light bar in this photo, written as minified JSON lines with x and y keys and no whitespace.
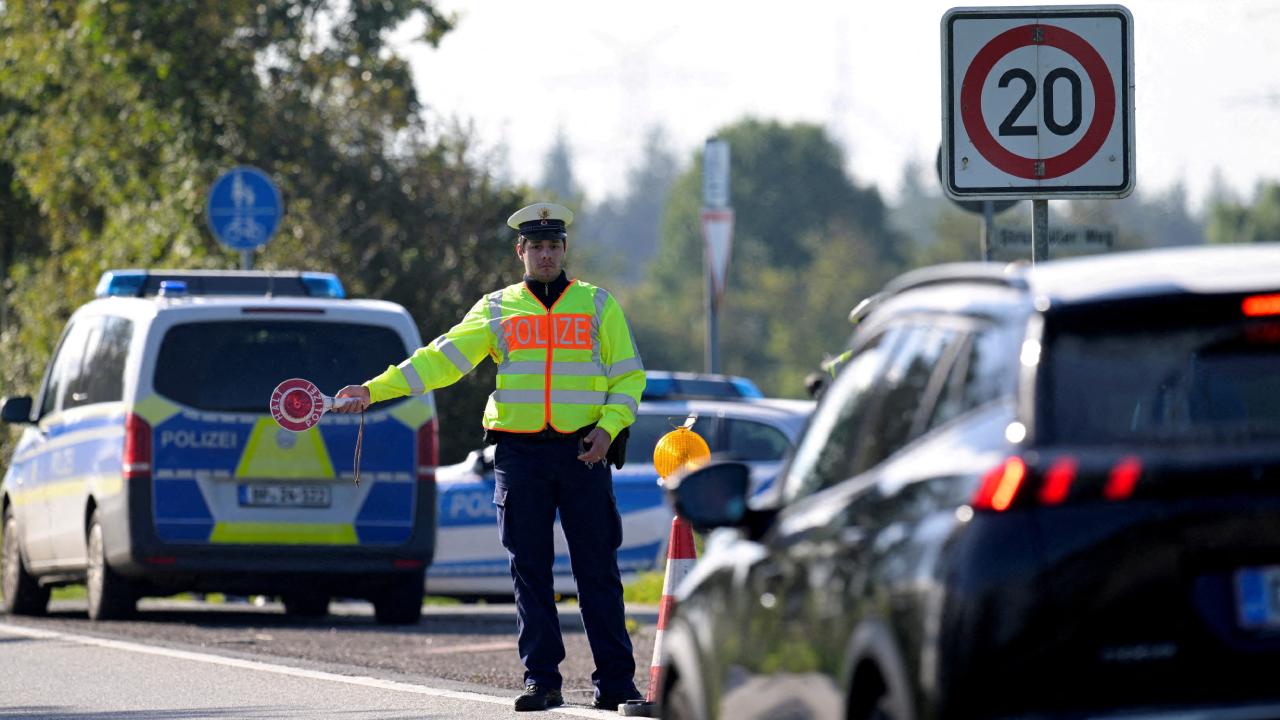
{"x":321,"y":284}
{"x":121,"y":283}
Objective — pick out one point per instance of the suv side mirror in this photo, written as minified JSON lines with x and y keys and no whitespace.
{"x":712,"y":496}
{"x":15,"y":409}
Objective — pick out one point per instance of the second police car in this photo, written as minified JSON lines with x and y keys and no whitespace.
{"x":470,"y":561}
{"x":149,"y":464}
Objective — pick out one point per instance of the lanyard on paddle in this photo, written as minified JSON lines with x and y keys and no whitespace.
{"x":298,"y":405}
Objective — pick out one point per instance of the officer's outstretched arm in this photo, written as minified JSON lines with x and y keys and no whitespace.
{"x":442,"y":362}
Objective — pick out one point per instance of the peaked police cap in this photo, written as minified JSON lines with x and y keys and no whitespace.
{"x":541,"y":220}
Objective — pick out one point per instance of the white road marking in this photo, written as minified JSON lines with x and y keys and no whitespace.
{"x":368,"y":682}
{"x":472,"y":648}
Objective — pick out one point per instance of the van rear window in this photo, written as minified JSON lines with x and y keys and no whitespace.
{"x":234,"y":366}
{"x":1173,"y":372}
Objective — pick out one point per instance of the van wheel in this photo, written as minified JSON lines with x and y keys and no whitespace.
{"x":22,"y":593}
{"x":110,"y":597}
{"x":305,"y":605}
{"x":399,"y":602}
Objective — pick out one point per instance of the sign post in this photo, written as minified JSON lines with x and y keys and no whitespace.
{"x":1037,"y":104}
{"x":244,"y":210}
{"x":717,"y":236}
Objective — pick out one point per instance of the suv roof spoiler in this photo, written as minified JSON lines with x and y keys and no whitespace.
{"x":148,"y":283}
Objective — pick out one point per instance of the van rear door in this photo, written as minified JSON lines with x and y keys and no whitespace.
{"x":225,"y":474}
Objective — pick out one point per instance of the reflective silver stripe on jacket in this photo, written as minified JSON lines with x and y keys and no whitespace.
{"x":559,"y":367}
{"x":495,"y":326}
{"x":451,"y":351}
{"x":411,"y":376}
{"x":562,"y":397}
{"x":623,"y":367}
{"x":620,"y":399}
{"x":601,"y":297}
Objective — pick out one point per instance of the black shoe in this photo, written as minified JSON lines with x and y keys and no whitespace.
{"x":611,"y":702}
{"x":538,"y":698}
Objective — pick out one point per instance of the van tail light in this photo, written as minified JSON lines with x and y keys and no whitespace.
{"x":1020,"y":483}
{"x":428,"y":451}
{"x":136,"y":459}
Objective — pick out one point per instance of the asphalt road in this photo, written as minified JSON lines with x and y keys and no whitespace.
{"x":196,"y":660}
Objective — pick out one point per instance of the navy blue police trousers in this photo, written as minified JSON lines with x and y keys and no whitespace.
{"x":534,"y":479}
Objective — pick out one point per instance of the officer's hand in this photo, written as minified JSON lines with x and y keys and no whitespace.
{"x":597,"y":444}
{"x":359,"y":399}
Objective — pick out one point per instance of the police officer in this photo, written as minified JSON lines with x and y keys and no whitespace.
{"x":569,"y":381}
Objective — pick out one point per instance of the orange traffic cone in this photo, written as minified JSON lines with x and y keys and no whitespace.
{"x":680,"y":450}
{"x":681,"y":556}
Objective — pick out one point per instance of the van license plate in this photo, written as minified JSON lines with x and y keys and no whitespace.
{"x":1258,"y":597}
{"x":293,"y":495}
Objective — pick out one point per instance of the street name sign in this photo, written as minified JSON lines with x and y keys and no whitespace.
{"x":1015,"y":242}
{"x":1037,"y":102}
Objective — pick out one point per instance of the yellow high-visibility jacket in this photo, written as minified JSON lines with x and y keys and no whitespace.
{"x":566,"y":367}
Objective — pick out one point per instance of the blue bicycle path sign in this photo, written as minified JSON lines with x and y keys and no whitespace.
{"x":244,"y":208}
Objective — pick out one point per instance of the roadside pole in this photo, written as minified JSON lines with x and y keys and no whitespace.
{"x":713,"y":329}
{"x":1039,"y":230}
{"x":717,"y":237}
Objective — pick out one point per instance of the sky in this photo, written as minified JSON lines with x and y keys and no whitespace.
{"x":1207,"y":83}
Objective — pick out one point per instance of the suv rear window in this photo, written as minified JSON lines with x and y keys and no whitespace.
{"x":233,"y":366}
{"x":1185,"y":370}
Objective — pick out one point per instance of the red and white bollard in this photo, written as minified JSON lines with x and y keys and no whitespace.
{"x":681,"y":556}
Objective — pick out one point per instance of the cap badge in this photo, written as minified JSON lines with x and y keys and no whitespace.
{"x":544,"y":214}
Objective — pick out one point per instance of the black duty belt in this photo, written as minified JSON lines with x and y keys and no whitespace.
{"x":546,"y":434}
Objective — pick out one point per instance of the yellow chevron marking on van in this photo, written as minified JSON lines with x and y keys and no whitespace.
{"x":267,"y":533}
{"x":265,"y":458}
{"x":414,"y":413}
{"x":155,"y":409}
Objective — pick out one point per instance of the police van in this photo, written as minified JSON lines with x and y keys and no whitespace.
{"x":150,"y":464}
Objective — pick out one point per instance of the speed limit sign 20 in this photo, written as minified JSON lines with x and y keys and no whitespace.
{"x":1037,"y":102}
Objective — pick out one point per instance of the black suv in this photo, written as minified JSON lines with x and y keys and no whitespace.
{"x":1048,"y":491}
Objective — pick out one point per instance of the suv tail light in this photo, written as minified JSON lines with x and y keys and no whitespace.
{"x":1261,"y":305}
{"x":428,"y":451}
{"x":1017,"y":483}
{"x":1000,"y":486}
{"x":136,"y":460}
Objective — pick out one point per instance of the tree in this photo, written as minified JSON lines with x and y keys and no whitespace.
{"x":1231,"y":221}
{"x":806,"y":240}
{"x":557,"y":171}
{"x":116,"y":117}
